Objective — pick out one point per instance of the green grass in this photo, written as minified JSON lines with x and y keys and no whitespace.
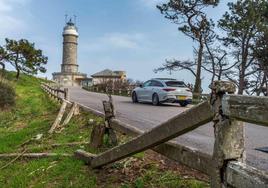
{"x":59,"y":172}
{"x":31,"y":115}
{"x":34,"y":114}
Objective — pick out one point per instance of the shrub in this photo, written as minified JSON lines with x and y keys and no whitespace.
{"x":7,"y":94}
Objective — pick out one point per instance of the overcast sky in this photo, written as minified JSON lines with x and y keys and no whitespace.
{"x":128,"y":35}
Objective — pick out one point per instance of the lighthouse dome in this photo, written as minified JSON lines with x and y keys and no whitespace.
{"x":70,"y":29}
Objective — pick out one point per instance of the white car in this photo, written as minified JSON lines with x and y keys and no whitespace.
{"x":161,"y":90}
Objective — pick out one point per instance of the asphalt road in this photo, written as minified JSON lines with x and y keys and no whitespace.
{"x":147,"y":116}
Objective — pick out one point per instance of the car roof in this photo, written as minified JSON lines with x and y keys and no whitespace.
{"x":166,"y":79}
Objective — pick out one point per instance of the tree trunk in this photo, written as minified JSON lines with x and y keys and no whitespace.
{"x":260,"y":89}
{"x":3,"y":66}
{"x":197,"y":85}
{"x":16,"y":66}
{"x":18,"y":74}
{"x":266,"y":84}
{"x":241,"y":85}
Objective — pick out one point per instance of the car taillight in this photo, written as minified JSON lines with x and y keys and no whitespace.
{"x":169,"y":89}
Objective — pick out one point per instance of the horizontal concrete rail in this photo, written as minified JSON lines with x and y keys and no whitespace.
{"x":241,"y":175}
{"x":176,"y":126}
{"x":250,"y":109}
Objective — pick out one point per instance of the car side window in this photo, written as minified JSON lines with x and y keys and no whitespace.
{"x":146,"y":84}
{"x":159,"y":84}
{"x":156,"y":84}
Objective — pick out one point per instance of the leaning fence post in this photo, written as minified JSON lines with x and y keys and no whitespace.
{"x":58,"y":118}
{"x":109,"y":111}
{"x":66,"y":94}
{"x":50,"y":91}
{"x":229,"y":134}
{"x":53,"y":92}
{"x":58,"y":96}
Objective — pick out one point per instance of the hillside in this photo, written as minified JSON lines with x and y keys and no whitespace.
{"x":32,"y":117}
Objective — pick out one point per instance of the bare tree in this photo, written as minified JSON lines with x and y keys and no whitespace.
{"x":258,"y":84}
{"x":176,"y":65}
{"x":193,"y":22}
{"x":216,"y":61}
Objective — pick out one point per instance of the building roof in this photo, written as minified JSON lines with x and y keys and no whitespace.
{"x":108,"y":73}
{"x":84,"y":79}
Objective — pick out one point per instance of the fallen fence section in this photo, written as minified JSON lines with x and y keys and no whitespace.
{"x":199,"y":115}
{"x":226,"y":166}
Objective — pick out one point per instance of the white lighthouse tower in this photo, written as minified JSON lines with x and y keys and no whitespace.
{"x":69,"y":75}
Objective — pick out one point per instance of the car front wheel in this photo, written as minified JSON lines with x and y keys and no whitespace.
{"x":134,"y":97}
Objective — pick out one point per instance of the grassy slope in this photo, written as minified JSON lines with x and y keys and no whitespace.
{"x":33,"y":114}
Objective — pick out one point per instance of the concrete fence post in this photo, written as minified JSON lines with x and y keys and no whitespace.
{"x":49,"y":91}
{"x":109,"y":112}
{"x":58,"y":95}
{"x":53,"y":93}
{"x":66,"y":94}
{"x":229,"y":135}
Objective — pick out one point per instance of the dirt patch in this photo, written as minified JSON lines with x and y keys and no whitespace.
{"x":128,"y":170}
{"x":18,"y":126}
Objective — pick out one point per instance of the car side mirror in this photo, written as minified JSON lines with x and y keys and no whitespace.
{"x":141,"y":85}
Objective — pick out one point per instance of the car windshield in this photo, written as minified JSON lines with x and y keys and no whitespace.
{"x":175,"y":84}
